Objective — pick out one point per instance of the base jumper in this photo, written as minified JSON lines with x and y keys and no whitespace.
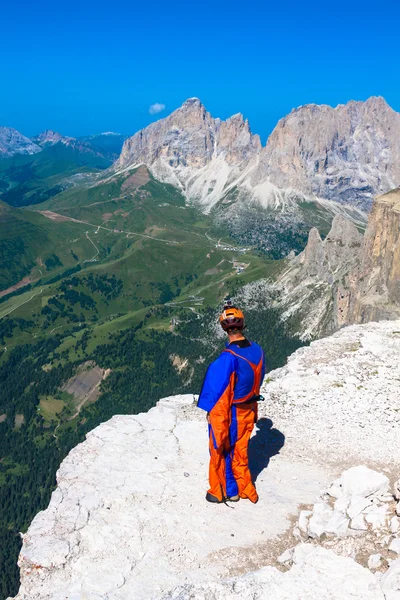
{"x":229,"y":394}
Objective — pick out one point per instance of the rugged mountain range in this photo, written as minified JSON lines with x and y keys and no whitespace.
{"x":318,"y":162}
{"x":345,"y":154}
{"x":190,"y":149}
{"x":105,"y":145}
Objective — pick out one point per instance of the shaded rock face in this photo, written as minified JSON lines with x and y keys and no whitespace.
{"x":374,"y":288}
{"x":308,"y":289}
{"x":347,"y":278}
{"x":330,"y":259}
{"x":347,"y":154}
{"x":13,"y":142}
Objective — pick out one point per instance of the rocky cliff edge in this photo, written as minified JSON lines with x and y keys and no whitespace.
{"x":129,"y":520}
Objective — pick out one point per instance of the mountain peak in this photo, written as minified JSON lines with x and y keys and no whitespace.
{"x":13,"y":142}
{"x":191,"y":101}
{"x":48,"y":137}
{"x":378,"y":101}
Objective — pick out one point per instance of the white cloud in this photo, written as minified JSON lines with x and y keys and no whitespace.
{"x":156,"y":108}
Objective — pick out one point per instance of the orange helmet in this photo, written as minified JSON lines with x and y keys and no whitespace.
{"x":231,"y":318}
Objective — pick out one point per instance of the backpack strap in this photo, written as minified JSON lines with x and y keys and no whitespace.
{"x":253,"y":365}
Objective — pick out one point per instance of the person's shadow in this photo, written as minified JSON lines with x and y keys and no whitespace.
{"x":266,"y":443}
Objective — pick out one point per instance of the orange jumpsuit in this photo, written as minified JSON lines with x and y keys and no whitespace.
{"x":231,"y":383}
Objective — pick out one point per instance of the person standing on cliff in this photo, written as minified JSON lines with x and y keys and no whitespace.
{"x":229,"y":395}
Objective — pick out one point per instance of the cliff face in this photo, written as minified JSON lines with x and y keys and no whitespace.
{"x":346,"y":278}
{"x":374,"y":287}
{"x":307,"y":290}
{"x":129,"y":518}
{"x":349,"y":153}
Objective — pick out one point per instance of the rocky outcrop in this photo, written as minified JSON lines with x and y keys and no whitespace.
{"x":332,"y":258}
{"x":129,"y":520}
{"x":308,"y":290}
{"x":353,"y":520}
{"x":49,"y":138}
{"x":345,"y":278}
{"x":315,"y":573}
{"x":372,"y":291}
{"x":345,"y":154}
{"x":13,"y":142}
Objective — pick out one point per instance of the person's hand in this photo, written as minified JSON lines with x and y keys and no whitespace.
{"x":208,"y":417}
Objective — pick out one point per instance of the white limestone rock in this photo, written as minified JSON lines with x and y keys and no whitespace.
{"x":316,"y":573}
{"x":126,"y":522}
{"x":338,"y":524}
{"x":286,"y":557}
{"x":390,"y":581}
{"x":362,"y":482}
{"x":321,"y":516}
{"x":342,"y":504}
{"x":374,"y":561}
{"x":310,"y":399}
{"x":358,"y":523}
{"x":394,"y":524}
{"x":357,"y":505}
{"x":395,"y":545}
{"x":377,"y":517}
{"x":304,"y":516}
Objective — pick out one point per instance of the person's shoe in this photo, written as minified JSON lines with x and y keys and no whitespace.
{"x":234,"y":498}
{"x":214,"y":499}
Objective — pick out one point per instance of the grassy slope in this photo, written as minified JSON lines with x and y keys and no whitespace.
{"x":148,"y":239}
{"x":29,"y":240}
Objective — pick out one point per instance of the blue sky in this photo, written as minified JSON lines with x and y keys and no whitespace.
{"x":85,"y":67}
